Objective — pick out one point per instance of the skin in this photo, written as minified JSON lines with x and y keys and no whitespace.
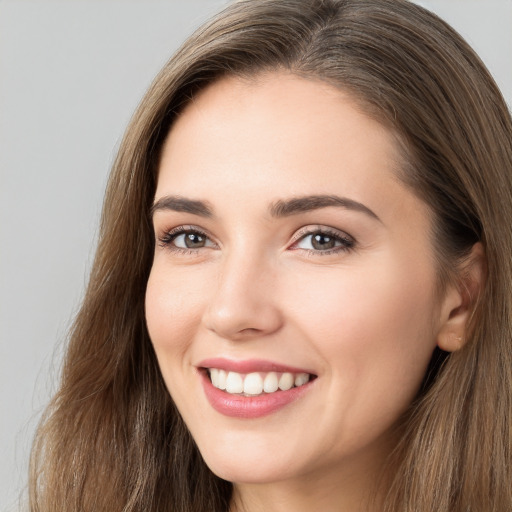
{"x":365,"y":320}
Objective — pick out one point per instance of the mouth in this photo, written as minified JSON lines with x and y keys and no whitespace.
{"x":252,"y":388}
{"x":256,"y":383}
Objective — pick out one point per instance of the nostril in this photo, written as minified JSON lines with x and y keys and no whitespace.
{"x":250,"y":331}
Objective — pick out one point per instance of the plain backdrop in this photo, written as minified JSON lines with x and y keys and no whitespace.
{"x":71,"y":74}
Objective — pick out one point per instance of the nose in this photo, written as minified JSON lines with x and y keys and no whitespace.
{"x":243,"y":305}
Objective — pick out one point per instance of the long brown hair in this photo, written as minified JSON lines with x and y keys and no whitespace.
{"x":111,"y":438}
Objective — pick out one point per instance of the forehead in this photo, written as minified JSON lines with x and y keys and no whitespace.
{"x":277,"y":136}
{"x":286,"y":117}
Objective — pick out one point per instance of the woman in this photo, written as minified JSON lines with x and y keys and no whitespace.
{"x":300,"y":298}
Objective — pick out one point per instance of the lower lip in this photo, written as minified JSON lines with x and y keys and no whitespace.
{"x":237,"y":406}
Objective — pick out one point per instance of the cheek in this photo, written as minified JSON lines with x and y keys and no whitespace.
{"x":373,"y":327}
{"x":173,"y":312}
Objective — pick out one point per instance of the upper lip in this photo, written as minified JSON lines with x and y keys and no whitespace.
{"x":249,"y":366}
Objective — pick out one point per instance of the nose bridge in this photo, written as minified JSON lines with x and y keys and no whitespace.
{"x":242,"y":304}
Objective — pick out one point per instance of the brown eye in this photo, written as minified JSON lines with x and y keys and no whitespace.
{"x":192,"y":240}
{"x":183,"y":239}
{"x":321,"y":241}
{"x":324,"y":241}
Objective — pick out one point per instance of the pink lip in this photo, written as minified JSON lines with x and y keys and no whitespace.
{"x":249,"y":407}
{"x":249,"y":366}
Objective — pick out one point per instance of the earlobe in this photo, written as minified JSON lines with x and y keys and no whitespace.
{"x":450,"y":342}
{"x":460,"y":300}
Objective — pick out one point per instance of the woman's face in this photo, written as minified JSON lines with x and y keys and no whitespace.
{"x":288,"y":254}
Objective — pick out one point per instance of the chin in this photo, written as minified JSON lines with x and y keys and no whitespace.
{"x":249,"y":464}
{"x":241,"y":472}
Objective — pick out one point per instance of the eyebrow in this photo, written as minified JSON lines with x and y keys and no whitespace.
{"x":305,"y":204}
{"x":182,"y":204}
{"x":281,"y":208}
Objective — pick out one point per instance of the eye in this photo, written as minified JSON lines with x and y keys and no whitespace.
{"x":323,"y":240}
{"x":185,"y":239}
{"x":190,"y":240}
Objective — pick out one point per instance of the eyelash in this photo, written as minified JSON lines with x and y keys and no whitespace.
{"x":167,"y":239}
{"x":347,"y":243}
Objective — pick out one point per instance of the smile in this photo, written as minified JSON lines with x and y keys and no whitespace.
{"x":253,"y":388}
{"x":255,"y":383}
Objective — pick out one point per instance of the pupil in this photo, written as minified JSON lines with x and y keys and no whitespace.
{"x":321,"y":241}
{"x":193,"y":240}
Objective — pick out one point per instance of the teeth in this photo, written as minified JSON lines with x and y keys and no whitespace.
{"x":301,"y":379}
{"x":234,"y":383}
{"x":253,"y":384}
{"x":214,"y":377}
{"x":286,"y":381}
{"x":222,"y":379}
{"x":256,"y":383}
{"x":271,"y":383}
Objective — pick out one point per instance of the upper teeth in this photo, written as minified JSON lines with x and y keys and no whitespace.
{"x":255,"y":383}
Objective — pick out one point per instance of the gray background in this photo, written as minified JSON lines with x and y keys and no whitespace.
{"x":71,"y":73}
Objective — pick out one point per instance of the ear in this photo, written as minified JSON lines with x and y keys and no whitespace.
{"x":460,"y":299}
